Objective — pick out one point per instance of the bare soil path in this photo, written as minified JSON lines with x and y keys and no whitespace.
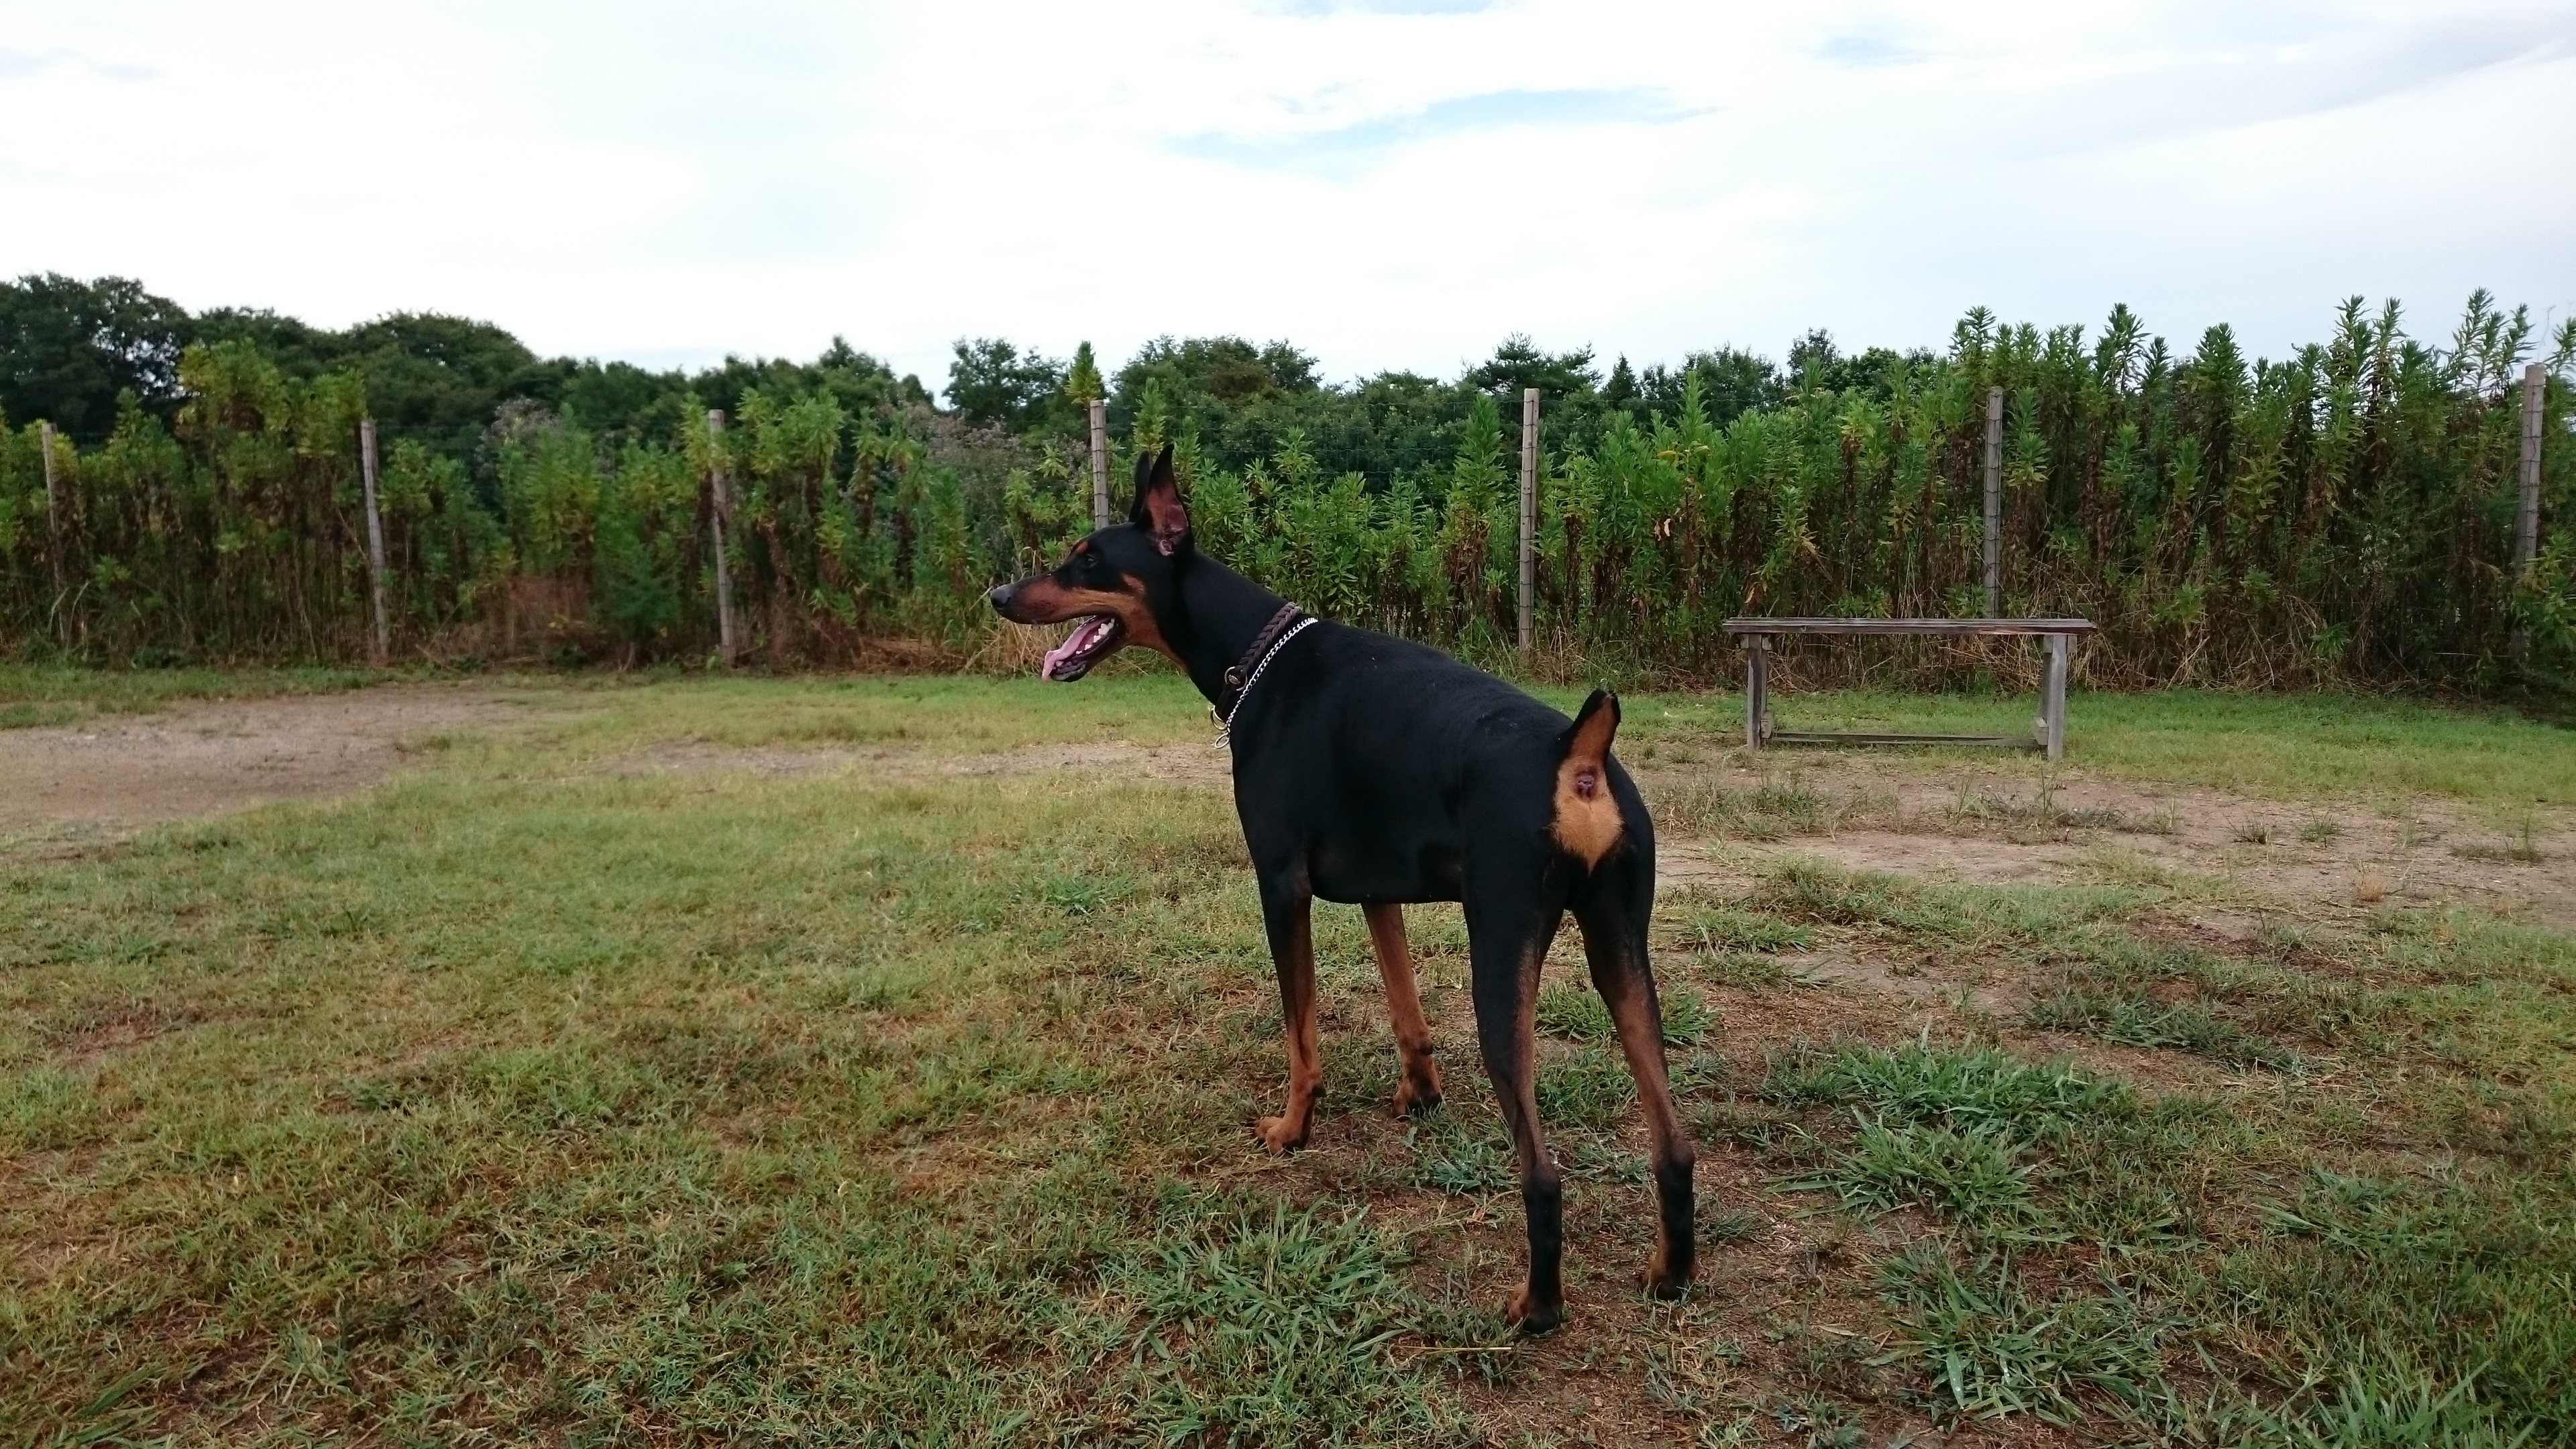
{"x":121,"y":772}
{"x":1968,"y":822}
{"x":1932,"y":819}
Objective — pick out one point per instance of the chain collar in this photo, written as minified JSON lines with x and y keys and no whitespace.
{"x":1287,"y":624}
{"x":1238,"y":675}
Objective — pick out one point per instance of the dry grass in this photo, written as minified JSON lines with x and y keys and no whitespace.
{"x":532,"y":1097}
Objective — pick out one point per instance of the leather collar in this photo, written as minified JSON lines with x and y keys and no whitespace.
{"x":1241,"y":670}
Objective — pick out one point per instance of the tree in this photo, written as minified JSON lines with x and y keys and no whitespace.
{"x":989,"y":381}
{"x":1518,"y":363}
{"x":1227,"y":369}
{"x":437,"y":378}
{"x":621,"y":402}
{"x":1621,"y":390}
{"x":1814,"y":355}
{"x":69,"y":347}
{"x":1732,"y":382}
{"x":861,"y":384}
{"x":1082,"y":382}
{"x":1238,"y":400}
{"x":1573,"y":414}
{"x":297,"y":347}
{"x":1815,"y":362}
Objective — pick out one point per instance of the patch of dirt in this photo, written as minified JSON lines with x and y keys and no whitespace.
{"x":122,"y":772}
{"x":2155,"y":1070}
{"x":1694,"y":865}
{"x":91,"y":1036}
{"x":1945,"y":857}
{"x":1971,"y":824}
{"x":1189,"y":764}
{"x":702,"y":757}
{"x":1922,"y":981}
{"x":1965,"y":823}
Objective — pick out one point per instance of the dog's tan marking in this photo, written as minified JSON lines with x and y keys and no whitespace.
{"x":1641,"y":1040}
{"x":1587,"y":818}
{"x":1537,"y":1306}
{"x":1042,"y":600}
{"x":1420,"y":1088}
{"x":1287,"y":1131}
{"x":1142,"y":627}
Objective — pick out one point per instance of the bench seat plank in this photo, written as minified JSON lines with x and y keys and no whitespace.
{"x":1756,"y":634}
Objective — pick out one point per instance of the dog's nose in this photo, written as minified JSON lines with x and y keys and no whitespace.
{"x":999,"y":596}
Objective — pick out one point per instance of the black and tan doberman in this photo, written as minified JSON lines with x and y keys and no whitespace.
{"x":1378,"y":771}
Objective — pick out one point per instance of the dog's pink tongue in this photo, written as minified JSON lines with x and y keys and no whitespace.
{"x":1073,"y":644}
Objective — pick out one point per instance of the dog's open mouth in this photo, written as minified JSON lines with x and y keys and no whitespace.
{"x":1091,"y":640}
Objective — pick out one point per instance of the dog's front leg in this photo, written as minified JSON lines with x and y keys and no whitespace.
{"x":1287,"y":909}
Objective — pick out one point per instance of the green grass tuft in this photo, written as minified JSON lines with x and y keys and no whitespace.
{"x":1992,"y":1346}
{"x":1577,"y":1013}
{"x":1258,"y":1329}
{"x":1975,"y":1175}
{"x":1968,"y":1086}
{"x":2144,"y":1022}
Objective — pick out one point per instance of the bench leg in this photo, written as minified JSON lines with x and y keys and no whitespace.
{"x":2053,"y":701}
{"x":1757,"y":688}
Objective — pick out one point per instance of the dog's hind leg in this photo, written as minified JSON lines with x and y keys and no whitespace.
{"x":1613,"y":916}
{"x":1287,"y":908}
{"x":1505,"y":944}
{"x":1420,"y":1089}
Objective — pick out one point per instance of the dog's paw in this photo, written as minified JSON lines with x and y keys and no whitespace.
{"x":1412,"y":1098}
{"x":1666,"y":1280}
{"x":1278,"y":1134}
{"x":1530,"y":1318}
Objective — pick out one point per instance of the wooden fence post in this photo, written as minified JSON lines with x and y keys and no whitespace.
{"x":2526,"y":519}
{"x":53,"y":516}
{"x":1099,"y":464}
{"x":2526,"y":524}
{"x":721,"y":504}
{"x":375,"y":537}
{"x":1994,"y":502}
{"x":1529,"y":512}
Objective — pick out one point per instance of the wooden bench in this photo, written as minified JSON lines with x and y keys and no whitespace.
{"x":2048,"y":732}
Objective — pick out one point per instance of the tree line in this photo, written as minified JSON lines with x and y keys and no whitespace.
{"x":2343,"y":514}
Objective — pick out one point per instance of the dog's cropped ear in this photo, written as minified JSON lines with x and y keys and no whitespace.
{"x":1158,"y":509}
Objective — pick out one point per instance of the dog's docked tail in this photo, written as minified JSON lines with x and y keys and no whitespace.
{"x":1587,"y":818}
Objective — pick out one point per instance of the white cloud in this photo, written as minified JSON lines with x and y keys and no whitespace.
{"x":1386,"y":184}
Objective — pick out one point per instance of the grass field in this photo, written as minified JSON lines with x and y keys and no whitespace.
{"x":41,"y":696}
{"x":868,"y":1061}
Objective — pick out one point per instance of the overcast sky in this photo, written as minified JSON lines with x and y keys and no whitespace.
{"x":1387,"y":184}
